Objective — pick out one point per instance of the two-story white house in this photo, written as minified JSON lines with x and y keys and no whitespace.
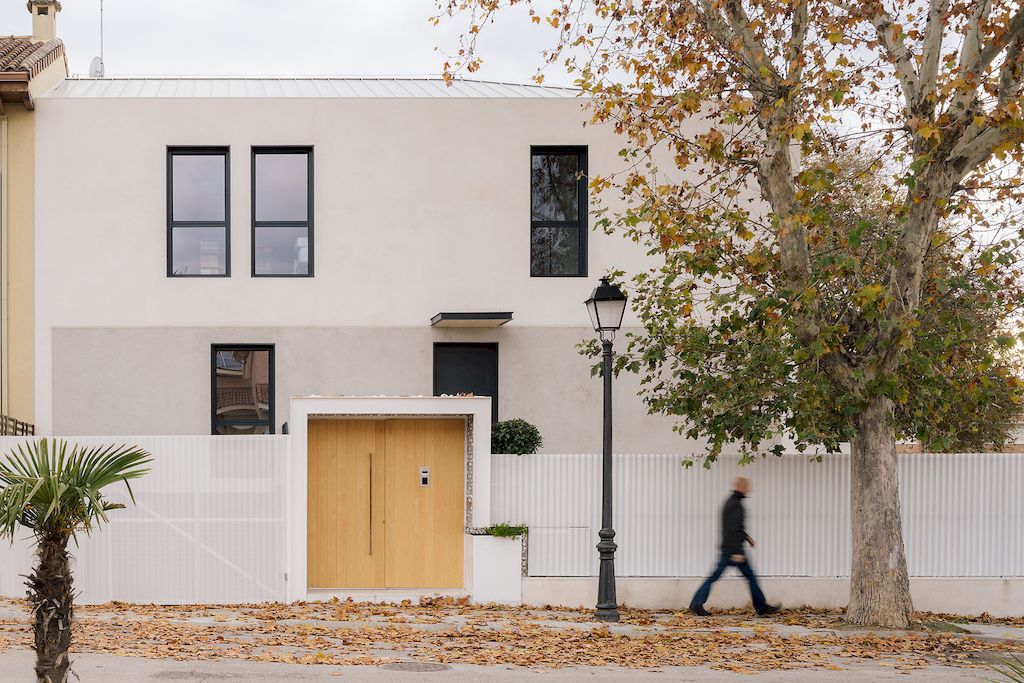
{"x":228,"y":256}
{"x":209,"y":248}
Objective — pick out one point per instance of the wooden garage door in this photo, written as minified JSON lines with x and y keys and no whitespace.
{"x":386,"y":503}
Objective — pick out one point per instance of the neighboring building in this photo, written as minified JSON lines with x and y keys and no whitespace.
{"x":222,"y":245}
{"x":29,"y":66}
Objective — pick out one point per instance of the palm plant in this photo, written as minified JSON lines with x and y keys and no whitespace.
{"x":1011,"y":668}
{"x":55,"y":491}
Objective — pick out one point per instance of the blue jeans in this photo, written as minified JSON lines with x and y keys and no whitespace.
{"x":756,"y":596}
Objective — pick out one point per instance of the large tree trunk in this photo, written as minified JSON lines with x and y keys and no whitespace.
{"x":879,"y":585}
{"x":51,"y":595}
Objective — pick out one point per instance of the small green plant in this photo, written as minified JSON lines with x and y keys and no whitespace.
{"x":1011,"y":669}
{"x":516,"y":437}
{"x":506,"y":530}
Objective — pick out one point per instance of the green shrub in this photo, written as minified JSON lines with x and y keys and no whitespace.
{"x":516,"y":437}
{"x":506,"y":530}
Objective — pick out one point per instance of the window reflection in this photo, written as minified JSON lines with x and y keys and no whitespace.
{"x":282,"y":228}
{"x":558,"y":214}
{"x":197,"y":219}
{"x":554,"y":251}
{"x":198,"y":187}
{"x":555,"y":195}
{"x":282,"y":250}
{"x":282,"y":187}
{"x":243,"y":392}
{"x":198,"y":251}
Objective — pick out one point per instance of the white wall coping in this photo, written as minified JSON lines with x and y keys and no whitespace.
{"x":478,"y":408}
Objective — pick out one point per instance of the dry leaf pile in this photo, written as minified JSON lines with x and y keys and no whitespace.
{"x":452,"y":631}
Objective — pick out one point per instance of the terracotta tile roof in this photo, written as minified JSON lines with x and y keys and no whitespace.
{"x":20,"y":53}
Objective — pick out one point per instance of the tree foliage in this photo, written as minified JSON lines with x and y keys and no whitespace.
{"x":781,"y":303}
{"x":51,"y":489}
{"x":785,"y":302}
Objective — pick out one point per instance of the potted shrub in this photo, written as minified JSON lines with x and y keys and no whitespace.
{"x":500,"y":562}
{"x":506,"y":530}
{"x":515,"y":437}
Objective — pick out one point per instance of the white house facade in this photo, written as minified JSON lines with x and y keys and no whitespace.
{"x":311,"y":299}
{"x":334,"y":259}
{"x":350,"y":237}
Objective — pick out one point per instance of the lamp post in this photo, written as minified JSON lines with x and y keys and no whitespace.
{"x":606,"y":306}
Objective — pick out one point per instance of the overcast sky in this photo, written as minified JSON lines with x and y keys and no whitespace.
{"x":281,"y":37}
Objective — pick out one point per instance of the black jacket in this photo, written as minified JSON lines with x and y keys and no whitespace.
{"x":734,"y":531}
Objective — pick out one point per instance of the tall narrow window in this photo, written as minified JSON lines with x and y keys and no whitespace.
{"x":198,"y":212}
{"x":242,"y":400}
{"x":282,"y":211}
{"x":558,"y":211}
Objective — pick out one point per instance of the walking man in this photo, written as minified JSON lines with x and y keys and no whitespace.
{"x":734,"y":535}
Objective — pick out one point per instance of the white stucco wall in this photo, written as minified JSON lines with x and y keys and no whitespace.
{"x":156,"y":380}
{"x":421,"y":206}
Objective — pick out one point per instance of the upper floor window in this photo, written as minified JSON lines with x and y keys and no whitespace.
{"x":558,"y":211}
{"x":198,"y":212}
{"x":282,"y":211}
{"x":242,"y":400}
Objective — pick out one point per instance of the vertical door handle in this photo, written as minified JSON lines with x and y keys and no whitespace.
{"x":371,"y":503}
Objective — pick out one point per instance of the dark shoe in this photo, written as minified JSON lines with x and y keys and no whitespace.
{"x":768,"y":611}
{"x":699,"y":611}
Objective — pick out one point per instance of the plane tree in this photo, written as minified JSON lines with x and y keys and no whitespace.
{"x":780,"y":305}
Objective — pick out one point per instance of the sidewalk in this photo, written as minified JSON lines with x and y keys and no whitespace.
{"x":92,"y":668}
{"x":367,"y":641}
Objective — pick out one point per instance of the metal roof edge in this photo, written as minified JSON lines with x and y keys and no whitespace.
{"x":392,"y":87}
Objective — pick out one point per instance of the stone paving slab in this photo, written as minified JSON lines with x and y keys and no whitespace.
{"x":547,"y":640}
{"x":16,"y":666}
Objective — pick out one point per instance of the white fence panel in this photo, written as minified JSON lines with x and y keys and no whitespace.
{"x":963,"y":514}
{"x":208,"y":526}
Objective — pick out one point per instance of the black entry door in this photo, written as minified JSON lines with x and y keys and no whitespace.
{"x":467,"y":369}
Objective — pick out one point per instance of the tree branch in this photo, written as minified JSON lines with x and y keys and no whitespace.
{"x":891,"y":39}
{"x":970,"y":66}
{"x":1014,"y":32}
{"x":761,"y":69}
{"x":797,"y":36}
{"x":931,"y":50}
{"x":1012,"y":71}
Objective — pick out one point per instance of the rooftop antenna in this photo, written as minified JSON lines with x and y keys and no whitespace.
{"x":97,"y":69}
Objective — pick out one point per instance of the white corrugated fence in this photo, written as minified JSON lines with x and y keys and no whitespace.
{"x":210,"y":520}
{"x":963,"y":514}
{"x":208,"y":526}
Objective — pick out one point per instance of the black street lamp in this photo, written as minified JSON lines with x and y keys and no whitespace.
{"x":606,"y":307}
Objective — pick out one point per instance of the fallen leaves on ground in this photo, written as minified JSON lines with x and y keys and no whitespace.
{"x":452,"y":631}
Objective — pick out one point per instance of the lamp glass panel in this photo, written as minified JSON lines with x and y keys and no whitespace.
{"x":610,"y":312}
{"x":592,"y":311}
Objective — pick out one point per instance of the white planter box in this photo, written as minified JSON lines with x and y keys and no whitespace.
{"x":497,"y":570}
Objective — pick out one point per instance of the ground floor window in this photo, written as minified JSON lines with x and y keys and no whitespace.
{"x":467,"y":369}
{"x":242,"y":389}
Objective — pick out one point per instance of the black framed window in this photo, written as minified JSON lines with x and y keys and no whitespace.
{"x":282,"y":212}
{"x":198,"y":212}
{"x":558,"y":211}
{"x":242,"y":389}
{"x":467,"y":369}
